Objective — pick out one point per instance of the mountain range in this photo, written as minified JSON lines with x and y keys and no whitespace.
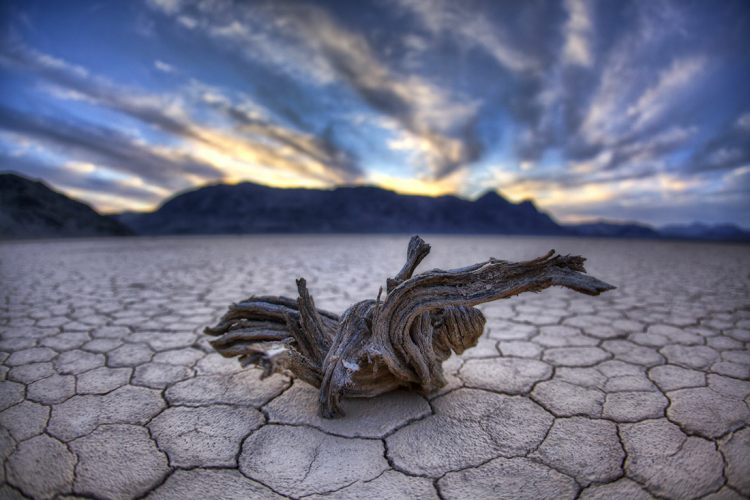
{"x":29,"y":209}
{"x":252,"y":208}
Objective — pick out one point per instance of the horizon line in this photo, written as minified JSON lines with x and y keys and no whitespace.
{"x":593,"y":220}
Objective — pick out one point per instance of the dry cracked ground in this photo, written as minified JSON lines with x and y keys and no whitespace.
{"x":109,"y":390}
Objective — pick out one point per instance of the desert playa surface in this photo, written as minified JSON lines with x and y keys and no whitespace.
{"x":109,"y":389}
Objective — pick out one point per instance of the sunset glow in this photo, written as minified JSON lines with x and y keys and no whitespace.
{"x":594,"y":110}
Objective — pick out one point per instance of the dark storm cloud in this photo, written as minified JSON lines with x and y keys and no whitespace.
{"x":109,"y":147}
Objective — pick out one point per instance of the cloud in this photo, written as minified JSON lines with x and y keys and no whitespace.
{"x":578,"y":30}
{"x":667,"y":199}
{"x":322,"y":159}
{"x":251,"y":120}
{"x":164,"y":67}
{"x":161,"y":166}
{"x":727,"y":150}
{"x":608,"y":104}
{"x":470,"y":28}
{"x":743,"y":122}
{"x":612,"y":107}
{"x":448,"y":185}
{"x":636,"y":115}
{"x":77,"y":177}
{"x":644,"y":153}
{"x":164,"y":113}
{"x":655,"y":100}
{"x":570,"y":202}
{"x":523,"y":39}
{"x":627,"y":161}
{"x":168,"y":6}
{"x":306,"y":42}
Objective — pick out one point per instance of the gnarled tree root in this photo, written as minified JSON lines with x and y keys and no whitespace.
{"x":380,"y":345}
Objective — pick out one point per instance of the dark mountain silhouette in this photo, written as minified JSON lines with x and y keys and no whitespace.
{"x":614,"y":230}
{"x":252,"y":208}
{"x":696,"y":230}
{"x":30,"y":209}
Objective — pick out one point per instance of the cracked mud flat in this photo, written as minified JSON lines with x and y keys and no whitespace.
{"x":107,"y":388}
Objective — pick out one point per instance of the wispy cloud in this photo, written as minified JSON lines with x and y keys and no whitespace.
{"x":270,"y":151}
{"x":307,"y":42}
{"x":164,"y":67}
{"x":160,"y":111}
{"x":470,"y":28}
{"x":588,"y":107}
{"x":578,"y":33}
{"x":653,"y":103}
{"x":88,"y":181}
{"x":729,"y":149}
{"x":161,"y":166}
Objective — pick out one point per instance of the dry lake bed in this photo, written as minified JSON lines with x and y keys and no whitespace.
{"x":109,"y":390}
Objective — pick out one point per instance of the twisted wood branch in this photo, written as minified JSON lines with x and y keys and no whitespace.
{"x":376,"y":347}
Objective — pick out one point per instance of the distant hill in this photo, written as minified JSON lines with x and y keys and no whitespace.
{"x":695,"y":231}
{"x":718,"y":232}
{"x":30,"y":209}
{"x":613,"y":230}
{"x":252,"y":208}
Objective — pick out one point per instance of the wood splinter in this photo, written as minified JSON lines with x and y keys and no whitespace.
{"x":377,"y":346}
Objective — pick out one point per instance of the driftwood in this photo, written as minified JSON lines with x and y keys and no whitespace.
{"x":380,"y":345}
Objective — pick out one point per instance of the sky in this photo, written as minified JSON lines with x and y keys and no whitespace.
{"x":616,"y":110}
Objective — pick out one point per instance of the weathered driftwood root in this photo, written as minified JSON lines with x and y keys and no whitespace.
{"x":401,"y":341}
